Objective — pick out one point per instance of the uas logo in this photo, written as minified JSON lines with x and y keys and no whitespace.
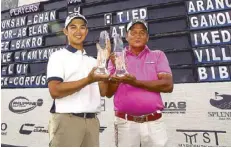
{"x":221,"y":101}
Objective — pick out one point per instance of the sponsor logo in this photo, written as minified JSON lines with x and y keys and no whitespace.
{"x":175,"y":107}
{"x":28,"y":128}
{"x":20,"y":105}
{"x":4,"y":129}
{"x":102,"y":128}
{"x":222,"y":102}
{"x":200,"y":138}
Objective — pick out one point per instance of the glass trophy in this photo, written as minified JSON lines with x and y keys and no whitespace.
{"x":103,"y":51}
{"x":119,"y":56}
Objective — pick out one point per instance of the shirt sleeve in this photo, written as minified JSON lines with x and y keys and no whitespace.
{"x":55,"y":69}
{"x":111,"y":68}
{"x":163,"y":64}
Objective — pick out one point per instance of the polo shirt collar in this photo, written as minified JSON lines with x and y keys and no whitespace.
{"x":74,"y":50}
{"x":146,"y":49}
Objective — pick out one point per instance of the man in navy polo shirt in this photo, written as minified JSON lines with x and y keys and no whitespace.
{"x":72,"y":85}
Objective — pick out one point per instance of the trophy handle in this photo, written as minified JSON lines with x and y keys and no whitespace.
{"x":108,"y":46}
{"x":99,"y":49}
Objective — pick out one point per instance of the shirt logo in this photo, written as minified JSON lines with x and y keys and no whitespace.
{"x":150,"y":62}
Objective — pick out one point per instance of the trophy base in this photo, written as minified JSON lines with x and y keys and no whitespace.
{"x":121,"y":73}
{"x":101,"y":71}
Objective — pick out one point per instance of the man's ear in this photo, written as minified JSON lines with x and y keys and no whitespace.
{"x":65,"y":31}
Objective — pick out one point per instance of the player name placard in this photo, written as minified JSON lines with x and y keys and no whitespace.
{"x":198,"y":6}
{"x":24,"y":82}
{"x":209,"y":20}
{"x":25,"y":9}
{"x":215,"y":54}
{"x":35,"y":55}
{"x":213,"y":73}
{"x":14,"y":33}
{"x":13,"y":23}
{"x":211,"y":37}
{"x":27,"y":43}
{"x":42,"y":17}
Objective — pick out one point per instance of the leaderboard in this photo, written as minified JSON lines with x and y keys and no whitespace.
{"x":27,"y":44}
{"x":210,"y":34}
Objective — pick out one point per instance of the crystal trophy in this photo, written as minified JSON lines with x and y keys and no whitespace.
{"x":103,"y":51}
{"x":119,"y":56}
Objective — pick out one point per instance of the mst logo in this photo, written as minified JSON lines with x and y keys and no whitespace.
{"x":174,"y":107}
{"x":222,"y":102}
{"x":28,"y":128}
{"x":199,"y":138}
{"x":20,"y":105}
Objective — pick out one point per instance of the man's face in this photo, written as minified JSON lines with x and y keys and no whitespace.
{"x":76,"y":31}
{"x":137,"y":36}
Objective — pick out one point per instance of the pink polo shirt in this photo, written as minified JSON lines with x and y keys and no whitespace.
{"x":145,"y":67}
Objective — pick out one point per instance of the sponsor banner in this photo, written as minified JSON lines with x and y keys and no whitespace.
{"x":206,"y":120}
{"x":195,"y":115}
{"x":26,"y":116}
{"x":200,"y":138}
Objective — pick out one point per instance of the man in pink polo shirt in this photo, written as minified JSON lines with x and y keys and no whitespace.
{"x":137,"y":98}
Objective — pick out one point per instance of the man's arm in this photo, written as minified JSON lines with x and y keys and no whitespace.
{"x":163,"y":84}
{"x":60,"y":89}
{"x":165,"y":80}
{"x":112,"y":88}
{"x":103,"y":86}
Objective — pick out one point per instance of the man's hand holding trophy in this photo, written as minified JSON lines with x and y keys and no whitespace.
{"x":117,"y":58}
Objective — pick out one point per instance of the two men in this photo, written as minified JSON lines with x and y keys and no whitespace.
{"x":72,"y":85}
{"x":137,"y":98}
